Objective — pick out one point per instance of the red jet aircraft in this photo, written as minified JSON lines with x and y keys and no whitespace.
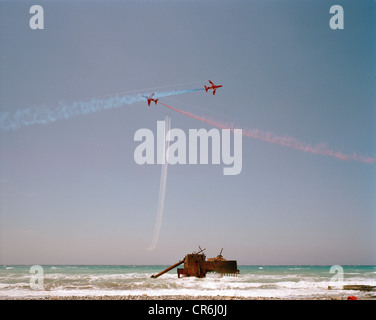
{"x":150,"y":99}
{"x":213,"y":86}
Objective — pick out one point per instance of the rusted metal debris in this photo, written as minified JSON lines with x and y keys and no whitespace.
{"x":196,"y":265}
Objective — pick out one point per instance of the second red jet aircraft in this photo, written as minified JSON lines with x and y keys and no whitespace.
{"x":150,"y":99}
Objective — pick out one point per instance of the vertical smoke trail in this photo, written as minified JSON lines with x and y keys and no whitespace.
{"x":162,"y":187}
{"x":284,"y":141}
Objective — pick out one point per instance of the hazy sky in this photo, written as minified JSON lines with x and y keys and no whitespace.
{"x":71,"y":191}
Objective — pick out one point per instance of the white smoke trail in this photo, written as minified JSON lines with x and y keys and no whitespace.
{"x":147,"y":89}
{"x":162,"y":187}
{"x":44,"y":115}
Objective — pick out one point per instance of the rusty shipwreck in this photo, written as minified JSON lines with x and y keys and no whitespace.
{"x":196,"y":265}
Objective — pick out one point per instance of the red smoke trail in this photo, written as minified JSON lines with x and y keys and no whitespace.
{"x":284,"y":141}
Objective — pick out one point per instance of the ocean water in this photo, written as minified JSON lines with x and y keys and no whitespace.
{"x":286,"y":282}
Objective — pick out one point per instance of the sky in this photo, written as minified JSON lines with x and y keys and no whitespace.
{"x":71,"y":191}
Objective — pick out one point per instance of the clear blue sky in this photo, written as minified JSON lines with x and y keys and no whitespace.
{"x":71,"y":192}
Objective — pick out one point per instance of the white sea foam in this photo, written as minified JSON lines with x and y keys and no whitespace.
{"x":268,"y":282}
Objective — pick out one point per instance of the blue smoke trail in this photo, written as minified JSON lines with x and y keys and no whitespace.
{"x":44,"y":115}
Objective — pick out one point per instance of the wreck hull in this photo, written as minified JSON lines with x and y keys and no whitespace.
{"x":195,"y":265}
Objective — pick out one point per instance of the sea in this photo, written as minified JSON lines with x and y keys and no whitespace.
{"x":268,"y":282}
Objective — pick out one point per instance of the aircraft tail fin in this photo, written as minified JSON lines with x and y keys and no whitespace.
{"x":206,"y":88}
